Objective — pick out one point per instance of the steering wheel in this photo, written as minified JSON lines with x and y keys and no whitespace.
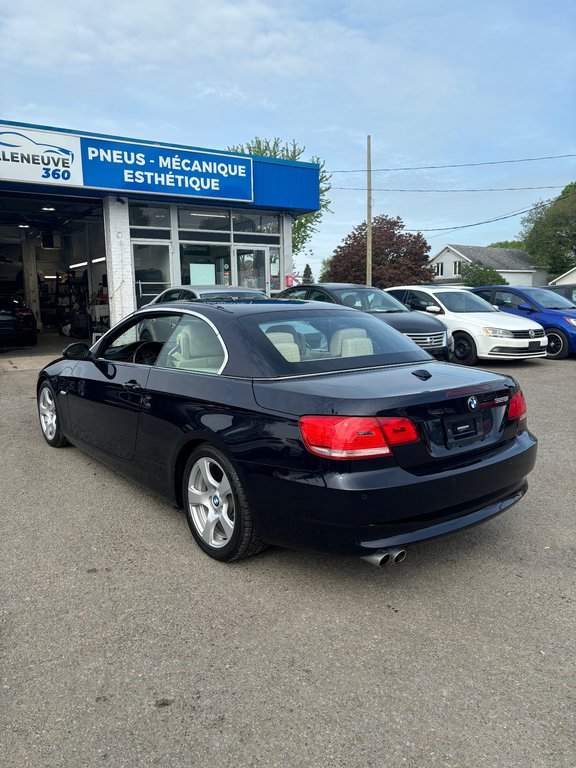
{"x":147,"y":352}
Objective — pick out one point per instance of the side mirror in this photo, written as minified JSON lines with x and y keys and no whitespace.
{"x":433,"y":309}
{"x":525,"y":308}
{"x":77,"y":351}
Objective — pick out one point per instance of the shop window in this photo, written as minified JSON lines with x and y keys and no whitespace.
{"x":205,"y":264}
{"x":149,"y":215}
{"x":256,"y":223}
{"x":214,"y":219}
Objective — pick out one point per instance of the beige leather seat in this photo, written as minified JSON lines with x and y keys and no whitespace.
{"x":198,"y":349}
{"x":338,"y":338}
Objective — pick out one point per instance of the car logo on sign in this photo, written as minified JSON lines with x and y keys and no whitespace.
{"x":472,"y":403}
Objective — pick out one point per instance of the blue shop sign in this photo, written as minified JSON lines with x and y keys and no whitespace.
{"x":159,"y":170}
{"x":62,"y":160}
{"x":67,"y":160}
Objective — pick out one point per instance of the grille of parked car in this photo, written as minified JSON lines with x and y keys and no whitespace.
{"x":428,"y":340}
{"x":532,"y":334}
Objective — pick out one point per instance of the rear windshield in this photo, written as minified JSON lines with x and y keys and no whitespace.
{"x":312,"y":341}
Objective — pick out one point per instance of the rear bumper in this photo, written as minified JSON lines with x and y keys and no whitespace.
{"x":363,"y":511}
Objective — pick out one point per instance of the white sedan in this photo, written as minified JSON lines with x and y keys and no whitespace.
{"x":479,"y":329}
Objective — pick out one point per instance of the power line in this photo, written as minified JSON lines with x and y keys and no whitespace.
{"x":458,"y":165}
{"x":486,"y":189}
{"x":541,"y":204}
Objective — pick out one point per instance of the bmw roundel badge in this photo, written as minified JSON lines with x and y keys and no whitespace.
{"x":473,"y":403}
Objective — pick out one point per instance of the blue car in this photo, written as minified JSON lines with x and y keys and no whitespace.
{"x":556,"y":314}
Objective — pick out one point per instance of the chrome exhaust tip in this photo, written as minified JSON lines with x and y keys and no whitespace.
{"x":382,"y":557}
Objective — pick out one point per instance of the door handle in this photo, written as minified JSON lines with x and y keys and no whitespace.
{"x":132,"y":385}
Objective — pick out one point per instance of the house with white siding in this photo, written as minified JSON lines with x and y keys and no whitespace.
{"x":516,"y":267}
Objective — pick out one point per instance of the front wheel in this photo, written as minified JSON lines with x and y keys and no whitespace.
{"x":216,"y":507}
{"x":557,"y":348}
{"x":49,"y":419}
{"x":464,"y":349}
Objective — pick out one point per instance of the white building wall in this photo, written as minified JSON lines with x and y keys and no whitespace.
{"x":533,"y":278}
{"x":120,"y":270}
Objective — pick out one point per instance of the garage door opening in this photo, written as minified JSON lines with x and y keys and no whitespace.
{"x":53,"y":254}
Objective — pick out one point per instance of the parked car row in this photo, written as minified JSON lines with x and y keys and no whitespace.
{"x":479,"y":321}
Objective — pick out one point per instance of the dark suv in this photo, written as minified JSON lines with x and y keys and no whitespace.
{"x":428,"y":332}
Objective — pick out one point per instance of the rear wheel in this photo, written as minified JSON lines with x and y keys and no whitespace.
{"x":557,"y":348}
{"x":216,"y":507}
{"x":49,"y":419}
{"x":464,"y":349}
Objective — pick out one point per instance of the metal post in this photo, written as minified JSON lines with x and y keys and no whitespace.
{"x":369,"y":213}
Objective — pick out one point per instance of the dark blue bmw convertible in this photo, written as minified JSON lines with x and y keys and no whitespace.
{"x":292,"y":423}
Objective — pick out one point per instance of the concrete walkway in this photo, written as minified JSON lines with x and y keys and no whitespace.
{"x":49,"y":347}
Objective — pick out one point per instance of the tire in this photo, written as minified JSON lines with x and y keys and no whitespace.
{"x":49,"y":418}
{"x":557,"y":348}
{"x":464,"y":349}
{"x":216,"y":507}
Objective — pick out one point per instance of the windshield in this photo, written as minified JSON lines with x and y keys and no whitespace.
{"x":463,"y":301}
{"x":549,"y":299}
{"x":313,"y":341}
{"x":368,"y":299}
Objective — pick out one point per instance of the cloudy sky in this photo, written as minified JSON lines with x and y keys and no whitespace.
{"x":444,"y":83}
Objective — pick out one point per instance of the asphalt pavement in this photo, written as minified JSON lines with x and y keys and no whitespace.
{"x":122,"y":644}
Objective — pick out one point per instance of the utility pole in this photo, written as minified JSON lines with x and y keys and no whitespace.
{"x":369,"y":212}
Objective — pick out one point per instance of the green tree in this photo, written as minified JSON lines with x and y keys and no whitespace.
{"x":306,"y":225}
{"x":307,"y":276}
{"x":549,"y":232}
{"x":507,"y":244}
{"x":324,"y":270}
{"x":477,"y":274}
{"x":397,"y":257}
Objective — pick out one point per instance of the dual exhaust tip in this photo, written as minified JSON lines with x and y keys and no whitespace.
{"x":382,"y":557}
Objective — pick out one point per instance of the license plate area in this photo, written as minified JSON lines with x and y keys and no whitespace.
{"x":533,"y":346}
{"x":463,"y":430}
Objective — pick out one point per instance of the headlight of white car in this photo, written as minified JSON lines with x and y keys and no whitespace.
{"x":571,"y":320}
{"x":498,"y":332}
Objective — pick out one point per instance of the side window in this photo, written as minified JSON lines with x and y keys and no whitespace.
{"x":140,"y":341}
{"x":299,"y":293}
{"x":316,"y":295}
{"x":193,"y":346}
{"x":400,"y":295}
{"x":508,"y":300}
{"x":420,"y":300}
{"x":487,"y":295}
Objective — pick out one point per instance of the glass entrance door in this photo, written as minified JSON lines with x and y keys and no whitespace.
{"x":258,"y":267}
{"x":151,"y":270}
{"x":251,"y":266}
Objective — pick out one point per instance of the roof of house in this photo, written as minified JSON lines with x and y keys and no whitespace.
{"x":498,"y":258}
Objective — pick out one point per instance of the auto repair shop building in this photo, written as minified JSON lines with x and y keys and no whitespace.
{"x":103,"y":223}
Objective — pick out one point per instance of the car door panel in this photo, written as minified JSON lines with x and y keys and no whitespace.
{"x":104,"y":403}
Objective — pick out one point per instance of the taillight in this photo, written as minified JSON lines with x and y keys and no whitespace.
{"x":355,"y":437}
{"x":517,"y":407}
